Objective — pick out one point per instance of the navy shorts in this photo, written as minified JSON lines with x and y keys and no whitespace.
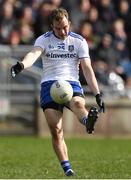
{"x":46,"y":100}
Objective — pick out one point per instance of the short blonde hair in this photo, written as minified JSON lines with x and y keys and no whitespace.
{"x":58,"y":14}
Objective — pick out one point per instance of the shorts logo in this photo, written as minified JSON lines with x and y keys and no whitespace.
{"x":71,"y":48}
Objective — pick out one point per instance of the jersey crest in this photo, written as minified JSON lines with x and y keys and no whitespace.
{"x":71,"y":48}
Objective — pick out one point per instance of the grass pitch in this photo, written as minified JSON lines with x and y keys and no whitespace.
{"x":34,"y":158}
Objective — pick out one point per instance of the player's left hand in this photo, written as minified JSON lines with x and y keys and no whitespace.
{"x":17,"y":68}
{"x":100,"y":102}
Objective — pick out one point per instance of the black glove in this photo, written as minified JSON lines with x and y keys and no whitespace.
{"x":100,"y":102}
{"x":17,"y":68}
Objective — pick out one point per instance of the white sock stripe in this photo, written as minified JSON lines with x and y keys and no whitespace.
{"x":84,"y":120}
{"x":66,"y":164}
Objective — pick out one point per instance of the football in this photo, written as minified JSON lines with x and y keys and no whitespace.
{"x":61,"y":91}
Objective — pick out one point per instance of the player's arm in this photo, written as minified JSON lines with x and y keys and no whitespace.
{"x":89,"y":75}
{"x":91,"y":80}
{"x":27,"y":62}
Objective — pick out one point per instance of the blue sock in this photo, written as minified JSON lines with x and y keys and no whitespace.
{"x":84,"y":120}
{"x":65,"y":165}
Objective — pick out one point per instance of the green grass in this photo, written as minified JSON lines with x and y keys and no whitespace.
{"x":33,"y":158}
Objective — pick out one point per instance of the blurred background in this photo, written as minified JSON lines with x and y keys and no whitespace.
{"x":105,"y":24}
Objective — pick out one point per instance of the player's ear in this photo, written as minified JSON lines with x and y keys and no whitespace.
{"x":51,"y":26}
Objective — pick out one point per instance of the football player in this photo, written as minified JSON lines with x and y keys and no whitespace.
{"x":62,"y":51}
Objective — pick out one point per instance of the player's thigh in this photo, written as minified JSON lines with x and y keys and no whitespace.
{"x":54,"y":119}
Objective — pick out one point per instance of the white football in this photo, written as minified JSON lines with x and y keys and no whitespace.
{"x":61,"y":91}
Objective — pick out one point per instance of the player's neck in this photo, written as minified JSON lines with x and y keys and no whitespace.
{"x":61,"y":38}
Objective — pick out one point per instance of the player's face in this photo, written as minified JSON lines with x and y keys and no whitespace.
{"x":61,"y":28}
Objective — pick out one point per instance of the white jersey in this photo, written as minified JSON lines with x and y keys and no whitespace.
{"x":61,"y":58}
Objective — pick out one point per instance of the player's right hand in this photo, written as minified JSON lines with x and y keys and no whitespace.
{"x":100,"y":102}
{"x":17,"y":68}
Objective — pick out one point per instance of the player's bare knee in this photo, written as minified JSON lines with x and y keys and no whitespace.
{"x":77,"y":102}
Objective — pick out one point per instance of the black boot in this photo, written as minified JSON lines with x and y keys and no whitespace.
{"x":92,"y":118}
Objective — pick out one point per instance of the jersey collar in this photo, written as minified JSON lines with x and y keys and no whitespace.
{"x":58,"y":37}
